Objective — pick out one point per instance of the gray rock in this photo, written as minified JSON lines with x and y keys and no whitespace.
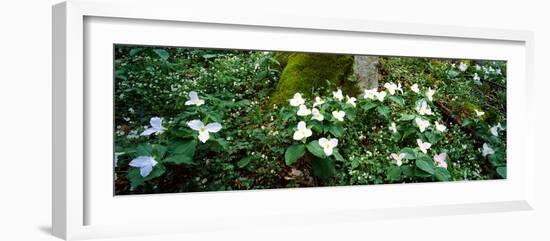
{"x":365,"y":69}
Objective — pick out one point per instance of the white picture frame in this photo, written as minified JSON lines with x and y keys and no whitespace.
{"x":81,"y":25}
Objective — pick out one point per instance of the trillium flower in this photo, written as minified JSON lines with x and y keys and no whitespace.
{"x":339,"y":115}
{"x":463,"y":67}
{"x":328,"y":145}
{"x":424,"y":146}
{"x":398,"y":158}
{"x":370,"y":94}
{"x":194,"y":99}
{"x":487,"y":150}
{"x":204,"y":130}
{"x":422,"y":124}
{"x":399,"y":88}
{"x":380,"y":95}
{"x":317,"y":115}
{"x":318,"y":101}
{"x":302,"y":132}
{"x":303,"y":111}
{"x":440,"y":160}
{"x":351,"y":100}
{"x":478,"y":68}
{"x":479,"y":113}
{"x":476,"y":77}
{"x":145,"y":164}
{"x":415,"y":88}
{"x":393,"y":128}
{"x":494,"y":130}
{"x":338,"y":95}
{"x":423,"y":108}
{"x":391,"y":87}
{"x":297,"y":100}
{"x":430,"y":93}
{"x":440,"y":127}
{"x":156,"y":127}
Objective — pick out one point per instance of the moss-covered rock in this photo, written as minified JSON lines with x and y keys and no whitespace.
{"x":305,"y":72}
{"x":282,"y":58}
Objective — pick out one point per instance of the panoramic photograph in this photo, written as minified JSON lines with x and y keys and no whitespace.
{"x":199,"y":119}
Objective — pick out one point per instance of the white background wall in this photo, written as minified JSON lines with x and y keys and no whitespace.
{"x":25,"y":107}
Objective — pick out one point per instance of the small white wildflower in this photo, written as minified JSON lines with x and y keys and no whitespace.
{"x":415,"y":88}
{"x":339,"y":115}
{"x":297,"y":100}
{"x":338,"y":95}
{"x":328,"y":145}
{"x":203,"y":129}
{"x":398,"y":158}
{"x":424,"y":146}
{"x":393,"y":127}
{"x":351,"y":100}
{"x":440,"y":127}
{"x":156,"y":127}
{"x":303,"y":111}
{"x":302,"y":131}
{"x":145,"y":164}
{"x":463,"y":67}
{"x":194,"y":99}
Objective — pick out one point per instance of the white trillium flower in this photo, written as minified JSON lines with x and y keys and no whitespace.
{"x":479,"y":113}
{"x":380,"y":95}
{"x":440,"y":127}
{"x":494,"y":130}
{"x":194,"y":99}
{"x":393,"y":127}
{"x":422,"y":124}
{"x":297,"y":100}
{"x":302,"y":132}
{"x":328,"y":145}
{"x":391,"y":87}
{"x":423,"y":108}
{"x":463,"y":67}
{"x":317,"y":115}
{"x":487,"y":150}
{"x":338,"y":95}
{"x":339,"y":115}
{"x":415,"y":88}
{"x":476,"y":77}
{"x":398,"y":158}
{"x":145,"y":164}
{"x":430,"y":93}
{"x":156,"y":127}
{"x":318,"y":101}
{"x":351,"y":100}
{"x":203,"y":129}
{"x":370,"y":94}
{"x":399,"y":88}
{"x":424,"y":146}
{"x":440,"y":160}
{"x":478,"y":68}
{"x":303,"y":111}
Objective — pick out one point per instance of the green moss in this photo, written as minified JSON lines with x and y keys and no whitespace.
{"x":305,"y":73}
{"x":282,"y":58}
